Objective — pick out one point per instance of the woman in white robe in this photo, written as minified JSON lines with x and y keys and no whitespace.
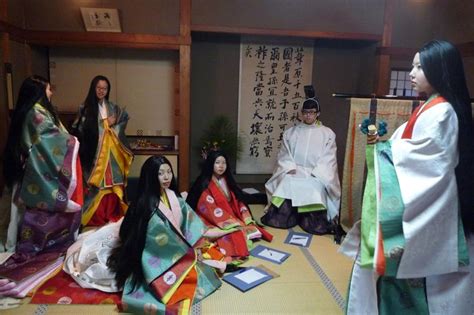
{"x":304,"y":188}
{"x":433,"y":158}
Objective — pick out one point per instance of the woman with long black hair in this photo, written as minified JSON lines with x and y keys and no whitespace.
{"x":416,"y":249}
{"x":105,"y":156}
{"x":158,"y":262}
{"x":218,"y":200}
{"x":43,"y":173}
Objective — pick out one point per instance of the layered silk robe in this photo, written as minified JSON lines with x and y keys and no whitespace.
{"x":229,"y":220}
{"x":174,"y":278}
{"x":310,"y":151}
{"x":111,"y":166}
{"x":86,"y":259}
{"x":46,"y":203}
{"x":410,"y":249}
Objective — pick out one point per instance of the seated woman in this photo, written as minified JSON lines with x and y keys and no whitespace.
{"x":43,"y":174}
{"x":105,"y":156}
{"x":158,"y":258}
{"x":218,"y":200}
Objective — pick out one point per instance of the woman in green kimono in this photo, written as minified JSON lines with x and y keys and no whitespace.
{"x":161,"y":240}
{"x":105,"y":156}
{"x":43,"y":174}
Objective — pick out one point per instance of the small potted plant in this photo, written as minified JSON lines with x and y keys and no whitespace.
{"x":221,"y":135}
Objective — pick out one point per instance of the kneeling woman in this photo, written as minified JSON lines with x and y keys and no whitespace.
{"x":156,"y":261}
{"x":218,"y":200}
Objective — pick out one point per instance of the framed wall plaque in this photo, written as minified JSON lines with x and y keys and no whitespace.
{"x":101,"y":20}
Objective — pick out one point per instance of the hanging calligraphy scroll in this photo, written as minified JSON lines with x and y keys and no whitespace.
{"x":272,"y":77}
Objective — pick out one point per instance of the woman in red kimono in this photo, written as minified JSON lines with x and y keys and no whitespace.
{"x":217,"y":199}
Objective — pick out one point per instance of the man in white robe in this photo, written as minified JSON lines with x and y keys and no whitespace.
{"x":304,"y":188}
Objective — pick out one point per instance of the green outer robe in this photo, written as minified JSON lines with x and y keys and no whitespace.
{"x":44,"y":218}
{"x":165,"y":249}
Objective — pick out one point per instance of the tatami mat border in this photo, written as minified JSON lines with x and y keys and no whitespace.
{"x":42,"y":309}
{"x":196,"y":309}
{"x":340,"y":301}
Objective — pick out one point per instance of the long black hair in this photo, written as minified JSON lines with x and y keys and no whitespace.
{"x":89,"y":135}
{"x":125,"y":260}
{"x":32,"y":91}
{"x":202,"y":182}
{"x":443,"y":67}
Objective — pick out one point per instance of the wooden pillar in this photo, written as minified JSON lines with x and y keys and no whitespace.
{"x":185,"y":18}
{"x":5,"y":58}
{"x":184,"y":94}
{"x":184,"y":115}
{"x":382,"y":78}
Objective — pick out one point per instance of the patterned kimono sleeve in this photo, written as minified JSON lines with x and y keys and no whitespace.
{"x":51,"y":162}
{"x":120,"y":125}
{"x":209,"y":210}
{"x":245,"y":213}
{"x":163,"y":248}
{"x":425,"y":166}
{"x":192,"y":226}
{"x":78,"y":121}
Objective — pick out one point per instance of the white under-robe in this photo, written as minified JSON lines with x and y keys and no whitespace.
{"x":310,"y":150}
{"x":425,"y":167}
{"x":86,"y":259}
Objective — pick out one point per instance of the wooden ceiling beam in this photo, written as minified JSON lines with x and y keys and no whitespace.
{"x":282,"y":32}
{"x":466,"y":50}
{"x":396,"y":52}
{"x":103,"y":39}
{"x":15,"y":33}
{"x":106,"y":39}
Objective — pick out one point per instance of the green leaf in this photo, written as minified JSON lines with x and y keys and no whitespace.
{"x":221,"y":134}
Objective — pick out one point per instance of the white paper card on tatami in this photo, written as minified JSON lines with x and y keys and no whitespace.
{"x":299,"y":239}
{"x":247,"y":278}
{"x":250,"y":276}
{"x":270,"y":254}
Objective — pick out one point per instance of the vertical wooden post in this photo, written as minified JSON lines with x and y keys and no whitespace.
{"x":184,"y":115}
{"x":382,"y":77}
{"x":185,"y":18}
{"x":176,"y":99}
{"x":184,"y":94}
{"x":4,"y":115}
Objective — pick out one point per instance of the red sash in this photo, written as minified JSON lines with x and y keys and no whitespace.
{"x":408,"y":132}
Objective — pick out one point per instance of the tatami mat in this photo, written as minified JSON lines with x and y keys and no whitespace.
{"x":304,"y":286}
{"x":312,"y":281}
